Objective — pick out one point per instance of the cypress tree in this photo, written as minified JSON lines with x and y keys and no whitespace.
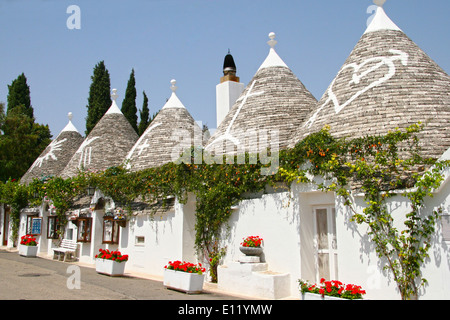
{"x":129,"y":109}
{"x":2,"y":116}
{"x":144,"y":116}
{"x":19,"y":95}
{"x":99,"y":99}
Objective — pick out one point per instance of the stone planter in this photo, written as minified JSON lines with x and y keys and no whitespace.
{"x":183,"y":281}
{"x":28,"y":251}
{"x":110,"y":267}
{"x":251,"y":251}
{"x":315,"y":296}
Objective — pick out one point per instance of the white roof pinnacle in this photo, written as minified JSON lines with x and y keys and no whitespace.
{"x":114,"y":94}
{"x":272,"y":42}
{"x":273,"y":59}
{"x":114,"y":108}
{"x":381,"y":21}
{"x":379,"y":3}
{"x":173,"y":101}
{"x":69,"y":126}
{"x":173,"y":87}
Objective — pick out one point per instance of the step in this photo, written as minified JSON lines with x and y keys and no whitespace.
{"x":253,"y":279}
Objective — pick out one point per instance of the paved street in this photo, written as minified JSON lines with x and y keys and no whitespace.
{"x":45,"y":279}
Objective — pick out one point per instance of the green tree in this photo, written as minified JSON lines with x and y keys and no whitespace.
{"x":99,"y":99}
{"x":19,"y":95}
{"x":129,"y":109}
{"x":22,"y":142}
{"x":2,"y":116}
{"x":144,"y":116}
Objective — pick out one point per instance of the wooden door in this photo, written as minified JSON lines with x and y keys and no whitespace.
{"x":6,"y":225}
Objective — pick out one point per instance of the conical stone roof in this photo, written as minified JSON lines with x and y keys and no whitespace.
{"x":387,"y":82}
{"x":271,"y":107}
{"x":55,"y":157}
{"x":170,"y":133}
{"x":106,"y":145}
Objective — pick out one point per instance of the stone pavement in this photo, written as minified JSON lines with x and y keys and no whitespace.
{"x":41,"y":278}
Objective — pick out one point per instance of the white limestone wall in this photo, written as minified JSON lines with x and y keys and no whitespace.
{"x":274,"y":218}
{"x":44,"y":245}
{"x":359,"y":264}
{"x":167,"y":237}
{"x":284,"y":221}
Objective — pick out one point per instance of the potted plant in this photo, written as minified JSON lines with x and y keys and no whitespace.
{"x":251,"y":246}
{"x":121,"y":218}
{"x":184,"y":276}
{"x":330,"y":290}
{"x":111,"y":263}
{"x":28,"y":246}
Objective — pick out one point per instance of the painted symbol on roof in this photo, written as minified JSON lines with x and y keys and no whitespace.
{"x":227,"y":135}
{"x":360,"y":73}
{"x":141,"y":144}
{"x":86,"y":152}
{"x":54,"y":146}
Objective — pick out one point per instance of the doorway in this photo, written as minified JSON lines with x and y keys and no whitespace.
{"x":6,"y":225}
{"x":326,"y":259}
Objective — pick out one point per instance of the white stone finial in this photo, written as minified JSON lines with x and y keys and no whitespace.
{"x":380,"y":20}
{"x":379,"y":3}
{"x":173,"y":87}
{"x":114,"y":95}
{"x":69,"y":126}
{"x":272,"y":42}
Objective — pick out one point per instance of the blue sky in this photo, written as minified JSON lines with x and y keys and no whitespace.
{"x":187,"y":40}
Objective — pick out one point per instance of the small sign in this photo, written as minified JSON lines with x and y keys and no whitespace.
{"x":36,"y":226}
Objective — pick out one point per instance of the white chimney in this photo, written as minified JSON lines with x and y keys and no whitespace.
{"x":229,"y":89}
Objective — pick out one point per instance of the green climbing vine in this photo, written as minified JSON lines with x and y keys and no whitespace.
{"x":16,"y":196}
{"x":376,"y":166}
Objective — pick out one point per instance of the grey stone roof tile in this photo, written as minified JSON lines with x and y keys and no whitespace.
{"x":386,"y":82}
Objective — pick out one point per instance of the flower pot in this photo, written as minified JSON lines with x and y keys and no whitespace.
{"x":122,"y":223}
{"x":251,"y":251}
{"x":28,"y":251}
{"x":183,"y":281}
{"x":315,"y":296}
{"x":110,"y":267}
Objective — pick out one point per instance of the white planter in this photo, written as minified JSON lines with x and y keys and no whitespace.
{"x":28,"y":251}
{"x":315,"y":296}
{"x":110,"y":267}
{"x":184,"y":281}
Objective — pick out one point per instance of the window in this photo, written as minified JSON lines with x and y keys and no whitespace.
{"x":52,"y":227}
{"x":325,"y":243}
{"x":140,"y":241}
{"x":30,"y":223}
{"x":84,"y":229}
{"x":110,"y":230}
